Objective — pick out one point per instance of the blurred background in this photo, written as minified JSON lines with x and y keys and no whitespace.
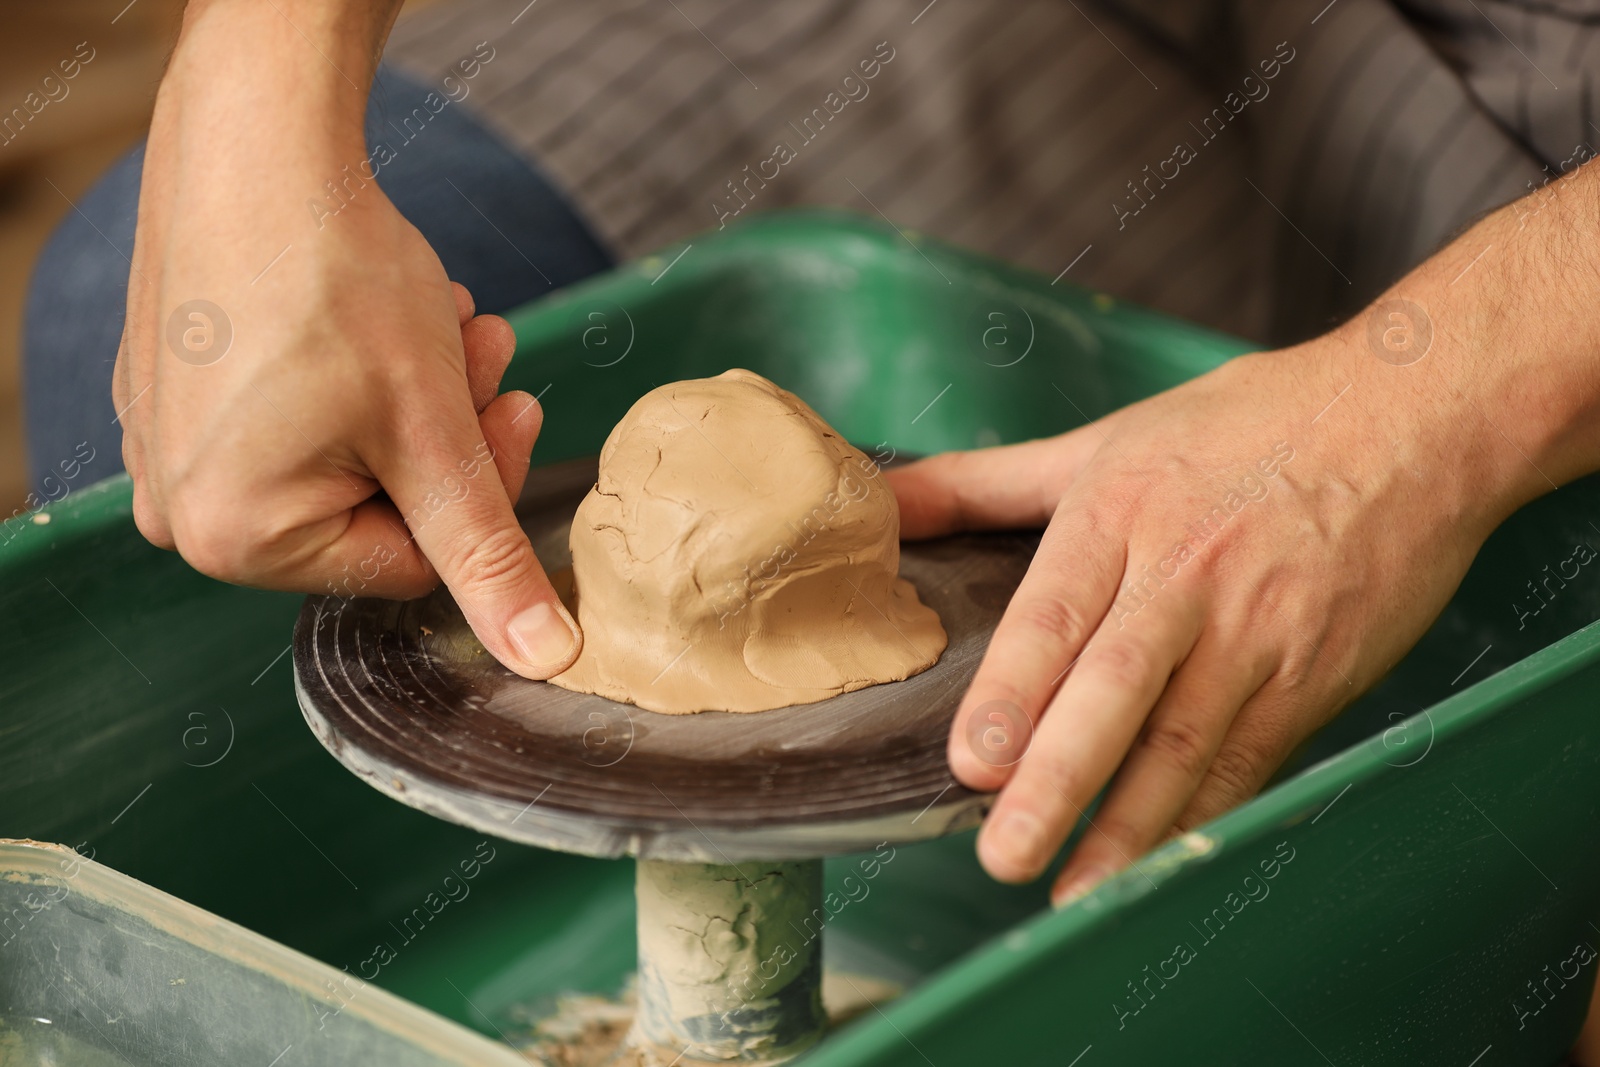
{"x":48,"y":165}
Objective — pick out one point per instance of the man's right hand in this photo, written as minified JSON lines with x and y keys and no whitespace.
{"x":309,"y":404}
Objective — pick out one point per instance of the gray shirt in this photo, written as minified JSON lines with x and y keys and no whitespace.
{"x":1262,"y":166}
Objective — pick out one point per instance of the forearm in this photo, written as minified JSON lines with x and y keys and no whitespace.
{"x":279,"y":86}
{"x":262,"y":105}
{"x":1504,"y":405}
{"x":313,"y":46}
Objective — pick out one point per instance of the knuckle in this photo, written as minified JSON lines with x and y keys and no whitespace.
{"x":1236,"y":770}
{"x":1192,"y":818}
{"x":1053,"y":618}
{"x":1181,"y":745}
{"x":1126,"y":664}
{"x":1057,"y":771}
{"x":988,"y":690}
{"x":1128,"y":837}
{"x":208,"y":545}
{"x":494,"y":560}
{"x":150,"y":523}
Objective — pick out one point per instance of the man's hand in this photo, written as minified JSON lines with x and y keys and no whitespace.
{"x":309,"y":404}
{"x":1227,"y":564}
{"x":1217,"y":577}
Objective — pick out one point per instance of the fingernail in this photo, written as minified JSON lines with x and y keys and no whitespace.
{"x":1081,"y":885}
{"x":543,"y":634}
{"x":1018,"y":841}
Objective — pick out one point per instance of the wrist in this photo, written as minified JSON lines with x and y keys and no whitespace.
{"x":290,"y":77}
{"x":1414,"y":435}
{"x":262,"y":105}
{"x":346,"y":34}
{"x":1485,"y":356}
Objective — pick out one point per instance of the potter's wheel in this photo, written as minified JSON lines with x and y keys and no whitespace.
{"x":406,"y":698}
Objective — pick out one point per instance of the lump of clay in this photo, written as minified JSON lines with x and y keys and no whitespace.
{"x":737,"y":555}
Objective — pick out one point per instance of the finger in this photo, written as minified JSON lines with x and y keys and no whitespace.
{"x":511,"y":422}
{"x":473,"y":539}
{"x":1066,"y":592}
{"x":132,"y":448}
{"x":146,"y":516}
{"x":1007,"y":487}
{"x":465,"y":308}
{"x":310,"y":527}
{"x":143,"y":346}
{"x":1162,"y":772}
{"x":1083,"y":735}
{"x":119,"y":374}
{"x":223,"y":530}
{"x":1259,"y":740}
{"x":376,"y":555}
{"x":131,"y":378}
{"x":489,"y":343}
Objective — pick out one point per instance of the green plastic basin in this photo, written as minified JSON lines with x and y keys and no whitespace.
{"x":1414,"y":891}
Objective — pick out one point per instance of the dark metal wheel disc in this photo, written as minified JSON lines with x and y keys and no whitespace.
{"x":404,"y":696}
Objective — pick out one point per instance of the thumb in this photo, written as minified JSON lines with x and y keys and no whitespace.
{"x":448,"y":486}
{"x":1005,"y":487}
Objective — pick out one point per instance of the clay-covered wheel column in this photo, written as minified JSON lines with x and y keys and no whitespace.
{"x":730,"y":961}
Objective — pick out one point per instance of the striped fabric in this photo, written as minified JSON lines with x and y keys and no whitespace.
{"x":1261,"y":166}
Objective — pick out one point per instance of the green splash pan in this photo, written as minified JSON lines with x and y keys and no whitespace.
{"x":1432,"y":874}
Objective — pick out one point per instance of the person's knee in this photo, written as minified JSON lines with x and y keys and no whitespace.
{"x":71,"y":329}
{"x":497,"y":223}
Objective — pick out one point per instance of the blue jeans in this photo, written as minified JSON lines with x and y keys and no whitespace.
{"x":76,"y":300}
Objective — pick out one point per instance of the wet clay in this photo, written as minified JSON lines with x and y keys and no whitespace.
{"x":737,"y":555}
{"x":730,"y":960}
